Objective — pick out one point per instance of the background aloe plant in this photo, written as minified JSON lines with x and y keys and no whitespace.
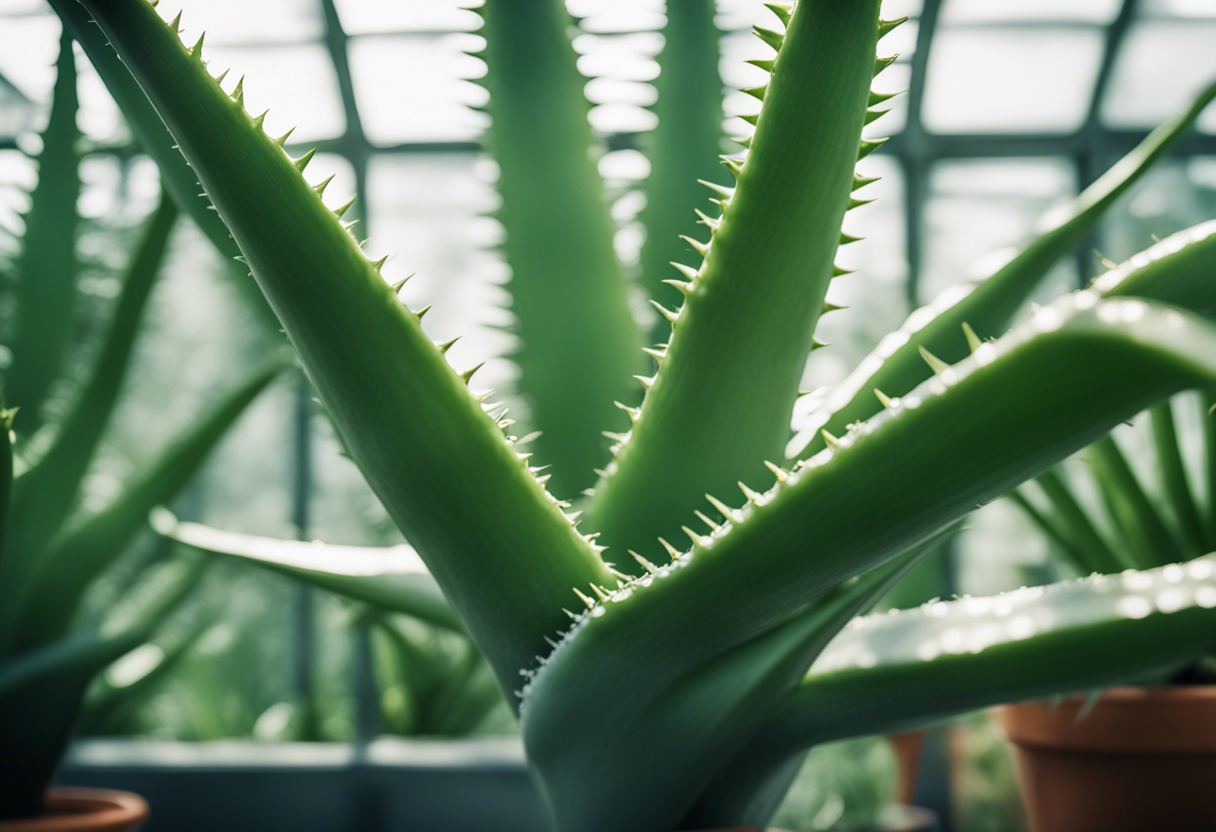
{"x":685,"y":686}
{"x":53,"y":548}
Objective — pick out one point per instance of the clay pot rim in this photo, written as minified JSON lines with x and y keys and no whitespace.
{"x":75,"y":809}
{"x":1145,"y":692}
{"x":1127,"y":720}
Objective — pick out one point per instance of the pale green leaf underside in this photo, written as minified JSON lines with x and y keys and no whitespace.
{"x":391,"y":578}
{"x":884,"y":673}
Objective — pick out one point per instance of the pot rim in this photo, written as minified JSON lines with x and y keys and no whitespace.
{"x":1177,"y":719}
{"x":78,"y":809}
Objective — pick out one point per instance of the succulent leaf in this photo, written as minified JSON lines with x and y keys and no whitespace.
{"x":895,"y":365}
{"x":45,"y":493}
{"x":559,"y":240}
{"x":155,"y":140}
{"x":770,"y":260}
{"x":390,"y":578}
{"x":881,"y":492}
{"x":884,"y":672}
{"x":46,"y":266}
{"x":43,"y":603}
{"x":494,"y":539}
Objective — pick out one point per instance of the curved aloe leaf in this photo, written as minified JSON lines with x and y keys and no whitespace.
{"x":1207,"y":403}
{"x":1007,"y":413}
{"x":884,"y":673}
{"x":683,"y":148}
{"x":45,"y":494}
{"x":6,"y":475}
{"x":1132,"y":510}
{"x":41,"y":690}
{"x":494,"y":539}
{"x":721,"y":401}
{"x":1071,"y":525}
{"x":155,"y":140}
{"x":46,"y":267}
{"x":1171,"y":468}
{"x":559,"y":241}
{"x":704,"y":718}
{"x":110,"y":703}
{"x":390,"y":578}
{"x":45,"y":603}
{"x":896,"y":365}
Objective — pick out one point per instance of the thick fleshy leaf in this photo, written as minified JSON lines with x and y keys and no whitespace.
{"x":971,"y":433}
{"x":41,"y":690}
{"x":885,"y":672}
{"x":896,"y":365}
{"x":46,"y":267}
{"x":700,"y":722}
{"x":720,"y":403}
{"x":559,"y":244}
{"x":497,"y":543}
{"x":155,"y":140}
{"x":45,"y":493}
{"x":47,"y":601}
{"x":683,"y":149}
{"x":391,"y":578}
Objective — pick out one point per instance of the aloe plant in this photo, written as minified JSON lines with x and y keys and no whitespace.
{"x":684,"y":694}
{"x":53,"y":549}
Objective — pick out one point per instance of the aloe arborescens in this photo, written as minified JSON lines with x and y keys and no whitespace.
{"x":680,"y":696}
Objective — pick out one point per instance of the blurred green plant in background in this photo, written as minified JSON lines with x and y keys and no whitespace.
{"x":60,"y":532}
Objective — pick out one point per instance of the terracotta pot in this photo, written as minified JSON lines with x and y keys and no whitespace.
{"x":1142,"y":758}
{"x":69,"y":809}
{"x":907,"y":746}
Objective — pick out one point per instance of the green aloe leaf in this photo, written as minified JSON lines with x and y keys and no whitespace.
{"x":961,"y":439}
{"x":1132,"y":508}
{"x":1208,"y":403}
{"x":884,"y":673}
{"x":896,"y":366}
{"x":133,"y":679}
{"x":41,"y":690}
{"x":683,"y":148}
{"x":391,"y":578}
{"x":720,"y":403}
{"x":6,"y":475}
{"x":45,"y":494}
{"x":559,"y":241}
{"x":45,"y":603}
{"x":1100,"y":554}
{"x":155,"y":140}
{"x":46,"y":267}
{"x":1171,"y":467}
{"x":704,"y":718}
{"x":496,"y":542}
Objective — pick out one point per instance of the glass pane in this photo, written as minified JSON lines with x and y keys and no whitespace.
{"x":998,"y":11}
{"x":1172,"y":196}
{"x":436,"y":105}
{"x":28,"y":46}
{"x":429,"y":212}
{"x":367,"y":17}
{"x":618,"y":15}
{"x":1178,"y":8}
{"x":1161,"y":67}
{"x":979,"y":210}
{"x":990,"y":80}
{"x":264,"y":21}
